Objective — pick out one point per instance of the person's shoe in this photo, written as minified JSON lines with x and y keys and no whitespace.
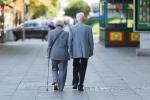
{"x":80,"y":88}
{"x":75,"y":86}
{"x":56,"y":87}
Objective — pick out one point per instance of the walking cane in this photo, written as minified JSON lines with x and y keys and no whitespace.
{"x":48,"y":51}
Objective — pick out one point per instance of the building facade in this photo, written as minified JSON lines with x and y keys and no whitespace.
{"x":12,"y":14}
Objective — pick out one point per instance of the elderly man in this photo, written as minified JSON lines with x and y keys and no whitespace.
{"x":81,"y":48}
{"x":58,"y":45}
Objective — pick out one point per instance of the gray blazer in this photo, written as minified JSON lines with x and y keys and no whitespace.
{"x":81,"y":41}
{"x":59,"y":51}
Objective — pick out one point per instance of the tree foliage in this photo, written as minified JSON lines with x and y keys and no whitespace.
{"x":53,"y":8}
{"x":6,"y":1}
{"x":76,"y":6}
{"x":2,"y":1}
{"x":37,"y":10}
{"x":40,"y":10}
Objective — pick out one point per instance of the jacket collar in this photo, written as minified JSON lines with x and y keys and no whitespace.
{"x":58,"y":28}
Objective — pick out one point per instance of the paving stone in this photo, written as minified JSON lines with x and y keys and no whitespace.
{"x":20,"y":92}
{"x":112,"y":74}
{"x":6,"y":92}
{"x":22,"y":97}
{"x":5,"y":97}
{"x":41,"y":98}
{"x":141,"y":91}
{"x":101,"y":97}
{"x":128,"y":97}
{"x":78,"y":95}
{"x":147,"y":97}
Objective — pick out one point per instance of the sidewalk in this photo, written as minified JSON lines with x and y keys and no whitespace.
{"x":112,"y":74}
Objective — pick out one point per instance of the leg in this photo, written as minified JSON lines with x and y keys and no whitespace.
{"x":62,"y":74}
{"x":55,"y":71}
{"x":76,"y":66}
{"x":82,"y":72}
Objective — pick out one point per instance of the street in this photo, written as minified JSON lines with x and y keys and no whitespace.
{"x":112,"y":74}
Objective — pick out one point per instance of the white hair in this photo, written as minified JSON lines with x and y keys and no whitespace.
{"x":80,"y":16}
{"x":59,"y":23}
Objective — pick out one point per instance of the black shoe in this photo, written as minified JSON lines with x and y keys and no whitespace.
{"x":56,"y":87}
{"x":80,"y":88}
{"x":75,"y":86}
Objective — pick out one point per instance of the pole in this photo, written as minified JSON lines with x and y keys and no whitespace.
{"x":1,"y":23}
{"x":23,"y":28}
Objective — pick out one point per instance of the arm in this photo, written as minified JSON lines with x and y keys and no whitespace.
{"x":91,"y":42}
{"x":49,"y":44}
{"x":70,"y":42}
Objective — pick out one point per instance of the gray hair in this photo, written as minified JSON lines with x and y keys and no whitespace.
{"x":59,"y":23}
{"x":80,"y":16}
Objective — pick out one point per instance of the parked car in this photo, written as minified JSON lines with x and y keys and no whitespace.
{"x":33,"y":29}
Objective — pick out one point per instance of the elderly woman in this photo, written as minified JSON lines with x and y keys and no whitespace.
{"x":58,"y":53}
{"x":51,"y":26}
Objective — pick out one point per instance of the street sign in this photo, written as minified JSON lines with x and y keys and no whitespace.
{"x":142,"y":15}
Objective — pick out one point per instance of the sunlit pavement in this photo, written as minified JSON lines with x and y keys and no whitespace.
{"x":112,"y":74}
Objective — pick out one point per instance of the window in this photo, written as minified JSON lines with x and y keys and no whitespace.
{"x":120,"y":15}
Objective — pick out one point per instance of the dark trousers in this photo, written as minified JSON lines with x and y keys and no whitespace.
{"x":79,"y":70}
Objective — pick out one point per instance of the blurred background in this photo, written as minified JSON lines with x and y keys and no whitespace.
{"x":19,"y":15}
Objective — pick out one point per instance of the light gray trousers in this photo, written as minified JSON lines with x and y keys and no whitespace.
{"x":59,"y":72}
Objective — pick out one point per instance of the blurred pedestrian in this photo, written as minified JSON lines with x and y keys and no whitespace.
{"x":81,"y":48}
{"x":51,"y":26}
{"x":59,"y":55}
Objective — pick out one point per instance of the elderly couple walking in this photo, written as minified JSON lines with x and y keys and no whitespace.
{"x":77,"y":44}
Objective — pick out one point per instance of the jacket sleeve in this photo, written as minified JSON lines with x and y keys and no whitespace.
{"x":91,"y":42}
{"x":49,"y":44}
{"x":70,"y":42}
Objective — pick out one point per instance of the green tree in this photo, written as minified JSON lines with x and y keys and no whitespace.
{"x":75,"y":6}
{"x":41,"y":10}
{"x":6,"y":1}
{"x":2,"y":1}
{"x":53,"y":8}
{"x":37,"y":10}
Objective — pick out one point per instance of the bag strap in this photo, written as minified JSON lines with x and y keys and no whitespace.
{"x":57,"y":38}
{"x":48,"y":50}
